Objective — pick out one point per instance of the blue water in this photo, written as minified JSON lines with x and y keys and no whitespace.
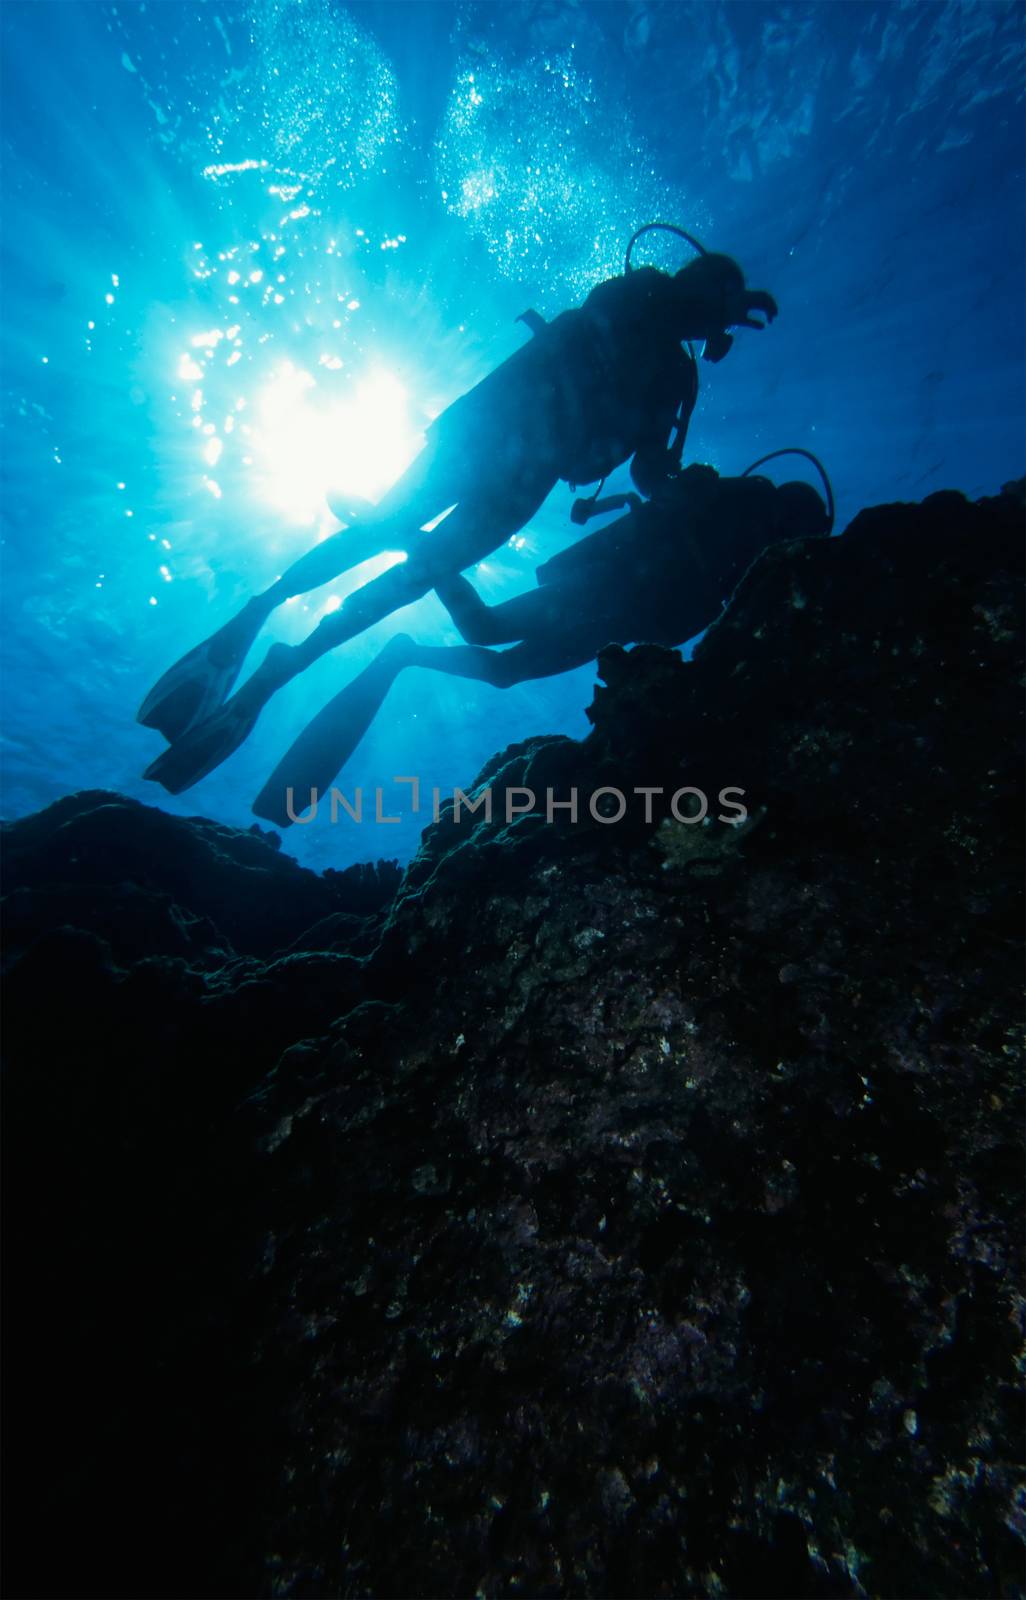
{"x":251,"y":249}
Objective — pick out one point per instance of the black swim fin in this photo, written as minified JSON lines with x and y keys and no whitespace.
{"x":204,"y":745}
{"x":309,"y":767}
{"x":193,"y":689}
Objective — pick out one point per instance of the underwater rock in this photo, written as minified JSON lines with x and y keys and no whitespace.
{"x":148,"y":881}
{"x":622,"y":1209}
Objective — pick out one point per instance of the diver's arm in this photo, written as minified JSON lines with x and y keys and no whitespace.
{"x":654,"y":461}
{"x":583,"y":510}
{"x":671,"y":401}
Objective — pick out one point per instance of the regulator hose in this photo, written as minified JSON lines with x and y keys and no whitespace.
{"x":796,"y":450}
{"x":662,"y":227}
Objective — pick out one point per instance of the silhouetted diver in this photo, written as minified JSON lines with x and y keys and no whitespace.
{"x":660,"y":574}
{"x":599,"y":385}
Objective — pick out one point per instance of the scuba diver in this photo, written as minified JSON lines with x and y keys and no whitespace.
{"x":602,"y":384}
{"x":659,"y":574}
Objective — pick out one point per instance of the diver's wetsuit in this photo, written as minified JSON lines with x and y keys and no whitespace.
{"x":598,"y":386}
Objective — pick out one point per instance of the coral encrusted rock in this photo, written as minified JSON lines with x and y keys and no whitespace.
{"x":621,"y":1207}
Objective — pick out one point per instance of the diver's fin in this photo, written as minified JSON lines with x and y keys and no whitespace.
{"x":191,"y":690}
{"x":206,"y":744}
{"x":203,"y":747}
{"x":309,"y":767}
{"x":338,"y":553}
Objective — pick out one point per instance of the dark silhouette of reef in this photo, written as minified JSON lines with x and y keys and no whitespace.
{"x":590,"y":1210}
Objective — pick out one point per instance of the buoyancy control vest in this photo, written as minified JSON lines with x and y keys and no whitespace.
{"x":590,"y":388}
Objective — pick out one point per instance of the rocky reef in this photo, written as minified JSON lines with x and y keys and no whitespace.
{"x":603,"y":1208}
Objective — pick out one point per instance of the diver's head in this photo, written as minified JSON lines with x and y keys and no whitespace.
{"x":800,"y":511}
{"x":713,"y":298}
{"x":712,"y":276}
{"x":751,"y":514}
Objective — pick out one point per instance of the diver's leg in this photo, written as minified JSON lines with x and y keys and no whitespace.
{"x":542,"y":657}
{"x":338,"y":553}
{"x":476,"y":527}
{"x":312,"y":763}
{"x":191,"y":691}
{"x":521,"y":618}
{"x":433,"y":482}
{"x":472,"y":531}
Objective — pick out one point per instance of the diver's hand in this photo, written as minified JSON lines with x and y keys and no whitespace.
{"x":717,"y":346}
{"x":738,"y":306}
{"x":741,"y":304}
{"x":651,"y":467}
